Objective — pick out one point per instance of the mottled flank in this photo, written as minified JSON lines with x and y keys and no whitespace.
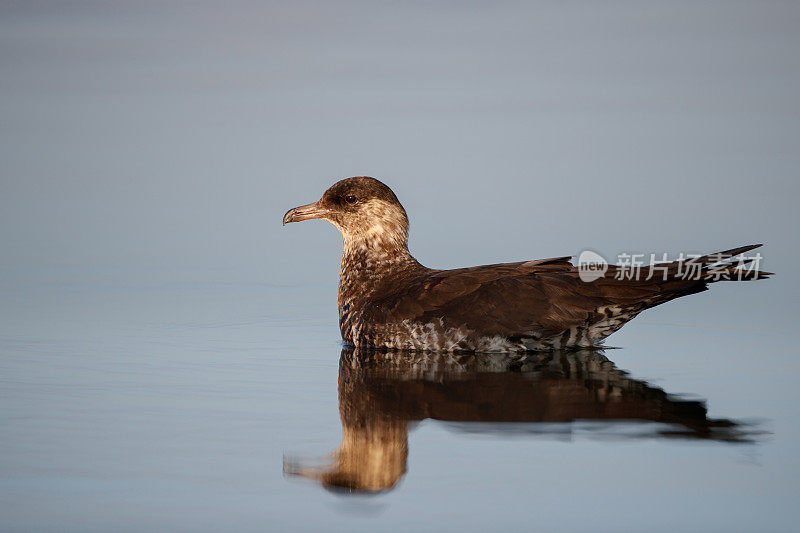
{"x":389,"y":300}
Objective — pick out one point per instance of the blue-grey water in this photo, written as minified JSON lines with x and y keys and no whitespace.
{"x":169,"y":354}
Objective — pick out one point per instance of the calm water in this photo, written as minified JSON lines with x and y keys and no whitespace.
{"x":216,"y":406}
{"x":169,"y":354}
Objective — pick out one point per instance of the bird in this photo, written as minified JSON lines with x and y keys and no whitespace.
{"x":389,"y":301}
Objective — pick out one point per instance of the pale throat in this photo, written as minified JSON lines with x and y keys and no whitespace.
{"x":377,"y":244}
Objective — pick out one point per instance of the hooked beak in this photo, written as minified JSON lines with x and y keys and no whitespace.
{"x":304,"y":212}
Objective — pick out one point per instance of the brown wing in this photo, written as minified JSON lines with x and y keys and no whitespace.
{"x":543,"y":297}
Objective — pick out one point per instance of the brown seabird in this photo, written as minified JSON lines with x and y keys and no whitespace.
{"x":388,"y":300}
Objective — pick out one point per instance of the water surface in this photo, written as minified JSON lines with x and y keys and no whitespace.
{"x":203,"y":406}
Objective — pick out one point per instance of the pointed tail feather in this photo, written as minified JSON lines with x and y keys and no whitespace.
{"x":733,"y":252}
{"x":728,"y":265}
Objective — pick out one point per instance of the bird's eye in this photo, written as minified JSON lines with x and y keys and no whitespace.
{"x":350,"y":199}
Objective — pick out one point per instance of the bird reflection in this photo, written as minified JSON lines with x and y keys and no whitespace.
{"x":382,"y":393}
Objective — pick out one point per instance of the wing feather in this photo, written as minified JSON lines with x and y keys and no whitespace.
{"x":544,"y":296}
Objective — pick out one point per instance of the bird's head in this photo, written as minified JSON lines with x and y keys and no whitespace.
{"x":365,"y":210}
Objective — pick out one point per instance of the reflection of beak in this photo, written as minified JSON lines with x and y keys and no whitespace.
{"x":304,"y":212}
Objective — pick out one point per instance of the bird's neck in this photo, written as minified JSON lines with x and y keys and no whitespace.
{"x":369,"y":265}
{"x":364,"y":263}
{"x":369,"y":250}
